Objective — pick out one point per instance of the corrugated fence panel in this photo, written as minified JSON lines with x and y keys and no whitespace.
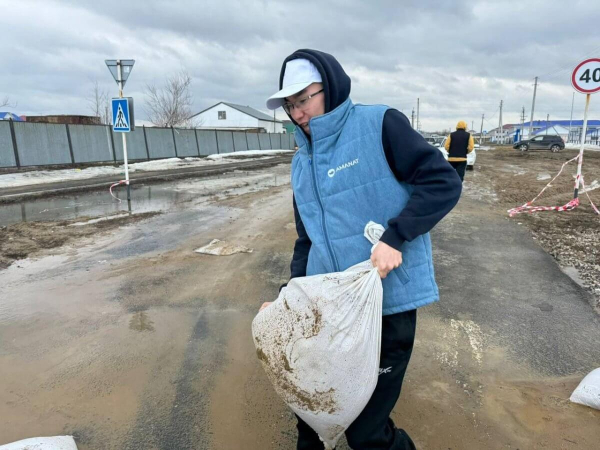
{"x":48,"y":144}
{"x":42,"y":144}
{"x":7,"y":152}
{"x":186,"y":142}
{"x":136,"y":145}
{"x":265,"y":142}
{"x":239,"y":141}
{"x":91,"y":143}
{"x":160,"y":143}
{"x":275,"y":141}
{"x":252,"y":141}
{"x":207,"y":141}
{"x":225,"y":140}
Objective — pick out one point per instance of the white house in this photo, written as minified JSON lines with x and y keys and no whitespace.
{"x":229,"y":116}
{"x":501,"y":136}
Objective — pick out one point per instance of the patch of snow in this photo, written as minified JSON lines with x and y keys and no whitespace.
{"x":591,"y":187}
{"x":100,"y":219}
{"x":166,"y":164}
{"x":543,"y":176}
{"x":249,"y":153}
{"x":53,"y":176}
{"x":591,"y":147}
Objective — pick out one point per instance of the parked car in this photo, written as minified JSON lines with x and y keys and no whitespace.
{"x":470,"y":157}
{"x":554,"y":143}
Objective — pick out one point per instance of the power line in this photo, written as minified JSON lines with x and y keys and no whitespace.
{"x":575,"y":61}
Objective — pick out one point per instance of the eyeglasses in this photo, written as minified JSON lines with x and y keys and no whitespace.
{"x":299,"y":104}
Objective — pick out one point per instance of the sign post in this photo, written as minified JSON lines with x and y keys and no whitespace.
{"x":123,"y":121}
{"x":585,"y":79}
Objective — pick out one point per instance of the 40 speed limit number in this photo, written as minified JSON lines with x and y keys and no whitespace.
{"x":586,"y":76}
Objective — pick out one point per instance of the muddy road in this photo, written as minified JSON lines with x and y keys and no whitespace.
{"x":129,"y":340}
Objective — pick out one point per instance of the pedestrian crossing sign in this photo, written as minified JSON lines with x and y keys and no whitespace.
{"x":122,"y":114}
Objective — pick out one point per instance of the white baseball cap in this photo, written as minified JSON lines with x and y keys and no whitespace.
{"x":298,"y":75}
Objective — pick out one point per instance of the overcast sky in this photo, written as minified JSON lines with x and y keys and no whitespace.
{"x":460,"y":58}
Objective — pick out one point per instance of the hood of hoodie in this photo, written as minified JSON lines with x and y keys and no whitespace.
{"x":461,"y":125}
{"x":336,"y":83}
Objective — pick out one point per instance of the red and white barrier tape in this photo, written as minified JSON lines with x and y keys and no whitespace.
{"x":574,"y":203}
{"x":114,"y":185}
{"x":588,"y":196}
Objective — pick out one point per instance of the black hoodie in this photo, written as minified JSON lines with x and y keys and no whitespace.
{"x":436,"y":185}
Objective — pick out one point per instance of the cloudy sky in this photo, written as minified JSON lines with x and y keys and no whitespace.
{"x":459,"y":57}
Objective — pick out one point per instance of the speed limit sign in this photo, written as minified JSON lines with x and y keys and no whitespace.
{"x":585,"y":79}
{"x":586,"y":76}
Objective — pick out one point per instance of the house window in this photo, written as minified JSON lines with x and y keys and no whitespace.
{"x":222,"y":115}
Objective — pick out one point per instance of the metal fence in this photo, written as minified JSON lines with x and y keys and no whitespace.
{"x":43,"y":144}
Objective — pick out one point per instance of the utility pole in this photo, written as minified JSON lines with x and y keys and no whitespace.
{"x":418,"y":104}
{"x":481,"y":131}
{"x":522,"y":123}
{"x":412,"y":118}
{"x":571,"y":121}
{"x":500,"y":125}
{"x":532,"y":108}
{"x":547,"y":123}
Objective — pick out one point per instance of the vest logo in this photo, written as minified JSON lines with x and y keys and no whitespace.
{"x":331,"y":172}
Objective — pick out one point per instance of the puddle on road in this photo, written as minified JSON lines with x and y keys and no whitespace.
{"x":144,"y":198}
{"x":93,"y":204}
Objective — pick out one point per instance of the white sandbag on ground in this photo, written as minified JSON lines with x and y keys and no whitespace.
{"x":43,"y":443}
{"x":588,"y":391}
{"x":222,"y":248}
{"x":319,"y":344}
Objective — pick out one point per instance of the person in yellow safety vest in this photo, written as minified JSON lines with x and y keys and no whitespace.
{"x":458,"y":145}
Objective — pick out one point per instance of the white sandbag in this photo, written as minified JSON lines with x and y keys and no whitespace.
{"x":43,"y":443}
{"x":319,"y":344}
{"x":588,"y":391}
{"x":217,"y":247}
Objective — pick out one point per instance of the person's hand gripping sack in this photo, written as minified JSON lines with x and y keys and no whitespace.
{"x":385,"y":258}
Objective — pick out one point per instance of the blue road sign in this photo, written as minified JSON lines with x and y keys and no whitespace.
{"x":122,"y":114}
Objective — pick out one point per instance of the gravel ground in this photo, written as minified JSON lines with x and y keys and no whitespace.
{"x":572,"y":238}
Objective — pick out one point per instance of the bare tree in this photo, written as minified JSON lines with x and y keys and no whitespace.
{"x":171,"y":104}
{"x":99,"y":104}
{"x":6,"y":102}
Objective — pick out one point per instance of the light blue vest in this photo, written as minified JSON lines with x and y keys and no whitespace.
{"x":341,"y":181}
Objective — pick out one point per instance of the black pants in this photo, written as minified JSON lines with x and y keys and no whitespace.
{"x":373,"y":428}
{"x":460,"y":167}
